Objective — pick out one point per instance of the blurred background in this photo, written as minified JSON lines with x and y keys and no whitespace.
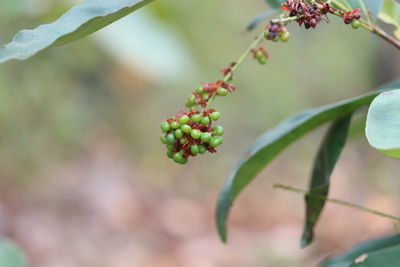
{"x":84,"y":180}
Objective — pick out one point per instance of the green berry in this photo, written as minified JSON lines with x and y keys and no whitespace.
{"x":216,"y":141}
{"x":192,"y":100}
{"x":205,"y":95}
{"x":195,"y":134}
{"x":266,"y":33}
{"x":178,"y":133}
{"x":284,"y":37}
{"x":222,"y":91}
{"x":170,"y":154}
{"x":183,"y":119}
{"x":186,"y":128}
{"x":178,"y":156}
{"x":262,"y":60}
{"x":163,"y":139}
{"x":215,"y":115}
{"x":355,"y":24}
{"x":196,"y":118}
{"x":182,"y":161}
{"x":195,"y":150}
{"x":164,"y":126}
{"x":175,"y":125}
{"x":205,"y":120}
{"x":206,"y":137}
{"x":276,"y":39}
{"x":259,"y":55}
{"x":183,"y":141}
{"x":202,"y":149}
{"x":171,"y":138}
{"x":218,"y":130}
{"x":170,"y":147}
{"x":199,"y":90}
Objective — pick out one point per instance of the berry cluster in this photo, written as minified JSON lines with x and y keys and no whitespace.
{"x":260,"y":55}
{"x":353,"y":18}
{"x":276,"y":32}
{"x":202,"y":95}
{"x":191,"y":133}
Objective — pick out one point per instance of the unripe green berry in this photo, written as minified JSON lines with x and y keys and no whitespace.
{"x":178,"y":156}
{"x":163,"y":139}
{"x":164,"y":126}
{"x":202,"y":149}
{"x":266,"y":33}
{"x":183,"y":119}
{"x":355,"y":24}
{"x":171,"y":138}
{"x":170,"y":154}
{"x":285,"y":36}
{"x":182,"y":161}
{"x":186,"y":128}
{"x":222,"y":91}
{"x":170,"y":147}
{"x":195,"y":134}
{"x":199,"y":90}
{"x":192,"y":100}
{"x":216,"y":141}
{"x":262,"y":60}
{"x":183,"y":141}
{"x":194,"y":149}
{"x":259,"y":55}
{"x":205,"y":120}
{"x":218,"y":130}
{"x":178,"y":133}
{"x":215,"y":115}
{"x":196,"y":118}
{"x":175,"y":125}
{"x":206,"y":137}
{"x":205,"y":95}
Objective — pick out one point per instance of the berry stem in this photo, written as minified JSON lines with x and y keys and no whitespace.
{"x":337,"y":201}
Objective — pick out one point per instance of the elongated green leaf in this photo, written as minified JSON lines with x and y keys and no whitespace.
{"x":78,"y":22}
{"x":373,"y":253}
{"x":383,"y":123}
{"x":390,"y":13}
{"x":10,"y":255}
{"x":274,"y":141}
{"x":324,"y":163}
{"x":373,"y":6}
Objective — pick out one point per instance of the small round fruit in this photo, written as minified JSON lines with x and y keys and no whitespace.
{"x":183,"y":141}
{"x":355,"y":24}
{"x":202,"y":149}
{"x":218,"y":130}
{"x":262,"y":60}
{"x":196,"y":118}
{"x":199,"y":90}
{"x":195,"y":150}
{"x":178,"y":133}
{"x":205,"y":95}
{"x":222,"y":91}
{"x":216,"y":141}
{"x":184,"y":119}
{"x":170,"y":147}
{"x":206,"y":137}
{"x":284,"y":37}
{"x":195,"y":134}
{"x":178,"y":156}
{"x":171,"y":138}
{"x":192,"y":100}
{"x":266,"y":33}
{"x":175,"y":125}
{"x":164,"y":126}
{"x":186,"y":128}
{"x":170,"y":154}
{"x":163,"y":139}
{"x":205,"y":120}
{"x":215,"y":115}
{"x":182,"y":161}
{"x":259,"y":55}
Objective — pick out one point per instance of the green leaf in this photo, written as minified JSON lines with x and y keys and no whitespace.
{"x":373,"y":6}
{"x":373,"y":253}
{"x":324,"y":163}
{"x":10,"y":255}
{"x":274,"y":141}
{"x":383,"y":123}
{"x":390,"y":13}
{"x":78,"y":22}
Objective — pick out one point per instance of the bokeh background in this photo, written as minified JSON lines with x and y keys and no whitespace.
{"x":84,"y":180}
